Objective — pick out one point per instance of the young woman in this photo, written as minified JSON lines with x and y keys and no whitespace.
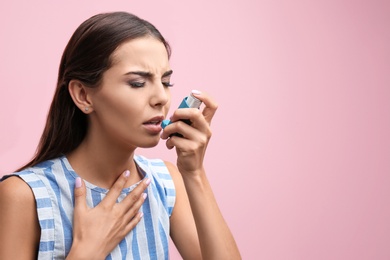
{"x":86,"y":194}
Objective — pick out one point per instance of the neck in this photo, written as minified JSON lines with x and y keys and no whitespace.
{"x":102,"y":163}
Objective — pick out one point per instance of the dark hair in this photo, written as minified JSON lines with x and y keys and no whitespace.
{"x":86,"y":57}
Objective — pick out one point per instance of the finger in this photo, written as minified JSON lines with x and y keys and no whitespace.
{"x":133,"y":222}
{"x":135,"y":194}
{"x":176,"y":127}
{"x":198,"y":124}
{"x":134,"y":209}
{"x":210,"y":104}
{"x":169,"y":144}
{"x":188,"y":115}
{"x":116,"y":189}
{"x":194,"y":132}
{"x":80,"y":202}
{"x":187,"y":146}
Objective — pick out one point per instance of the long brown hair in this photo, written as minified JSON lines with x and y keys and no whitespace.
{"x":86,"y":57}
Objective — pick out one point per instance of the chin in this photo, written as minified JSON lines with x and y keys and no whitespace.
{"x":150,"y":144}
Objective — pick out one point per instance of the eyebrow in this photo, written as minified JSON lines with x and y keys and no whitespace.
{"x":147,"y":74}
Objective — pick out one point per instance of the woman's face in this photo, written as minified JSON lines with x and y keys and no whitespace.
{"x":134,"y":96}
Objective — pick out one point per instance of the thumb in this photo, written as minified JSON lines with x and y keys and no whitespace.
{"x":79,"y":195}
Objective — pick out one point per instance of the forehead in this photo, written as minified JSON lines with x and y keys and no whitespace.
{"x":146,"y":53}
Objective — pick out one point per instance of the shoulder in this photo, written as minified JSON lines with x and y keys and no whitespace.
{"x":19,"y":216}
{"x":15,"y":193}
{"x":173,"y":171}
{"x":157,"y":167}
{"x":176,"y":178}
{"x":170,"y":166}
{"x":164,"y":171}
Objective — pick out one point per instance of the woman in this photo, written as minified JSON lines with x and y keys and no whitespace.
{"x":85,"y":194}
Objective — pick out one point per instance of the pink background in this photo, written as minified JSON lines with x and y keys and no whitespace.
{"x":300,"y":157}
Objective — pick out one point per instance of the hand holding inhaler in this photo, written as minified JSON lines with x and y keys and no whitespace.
{"x":193,"y":126}
{"x":188,"y":102}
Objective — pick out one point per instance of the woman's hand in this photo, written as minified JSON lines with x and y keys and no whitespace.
{"x":97,"y":231}
{"x":191,"y":148}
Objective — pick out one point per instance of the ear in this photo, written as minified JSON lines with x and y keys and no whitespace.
{"x":80,"y":95}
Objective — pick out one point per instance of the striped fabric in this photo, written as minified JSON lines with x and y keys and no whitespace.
{"x":53,"y":183}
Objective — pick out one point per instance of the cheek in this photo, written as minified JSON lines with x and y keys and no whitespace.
{"x":110,"y":100}
{"x":167,"y":107}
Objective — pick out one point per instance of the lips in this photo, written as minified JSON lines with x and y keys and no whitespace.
{"x":154,"y":121}
{"x":153,"y":125}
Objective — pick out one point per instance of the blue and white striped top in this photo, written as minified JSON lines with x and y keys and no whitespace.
{"x":52,"y":183}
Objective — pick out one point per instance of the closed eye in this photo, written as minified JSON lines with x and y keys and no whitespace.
{"x":137,"y":84}
{"x":167,"y":84}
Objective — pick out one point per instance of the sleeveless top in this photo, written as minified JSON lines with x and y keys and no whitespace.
{"x":52,"y":183}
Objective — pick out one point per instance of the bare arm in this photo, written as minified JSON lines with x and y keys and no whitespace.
{"x":19,"y":226}
{"x":183,"y":228}
{"x":198,"y":228}
{"x":214,"y":236}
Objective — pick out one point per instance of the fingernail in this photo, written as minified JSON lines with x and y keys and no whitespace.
{"x":147,"y":181}
{"x":196,"y":92}
{"x":144,"y":195}
{"x":141,"y":214}
{"x":78,"y":183}
{"x":127,"y":173}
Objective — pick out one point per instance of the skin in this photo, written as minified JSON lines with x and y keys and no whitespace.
{"x":117,"y":112}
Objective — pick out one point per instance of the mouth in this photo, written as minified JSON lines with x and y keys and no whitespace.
{"x":154,"y":121}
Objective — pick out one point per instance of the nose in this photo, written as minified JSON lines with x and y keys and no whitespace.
{"x":160,"y":96}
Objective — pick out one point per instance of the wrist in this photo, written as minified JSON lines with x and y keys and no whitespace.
{"x":79,"y":252}
{"x":191,"y":173}
{"x":195,"y":180}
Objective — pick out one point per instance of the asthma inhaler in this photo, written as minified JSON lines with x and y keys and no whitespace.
{"x":188,"y":102}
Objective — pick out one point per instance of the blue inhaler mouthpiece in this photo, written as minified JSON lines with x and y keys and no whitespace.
{"x":187,"y":102}
{"x":165,"y":123}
